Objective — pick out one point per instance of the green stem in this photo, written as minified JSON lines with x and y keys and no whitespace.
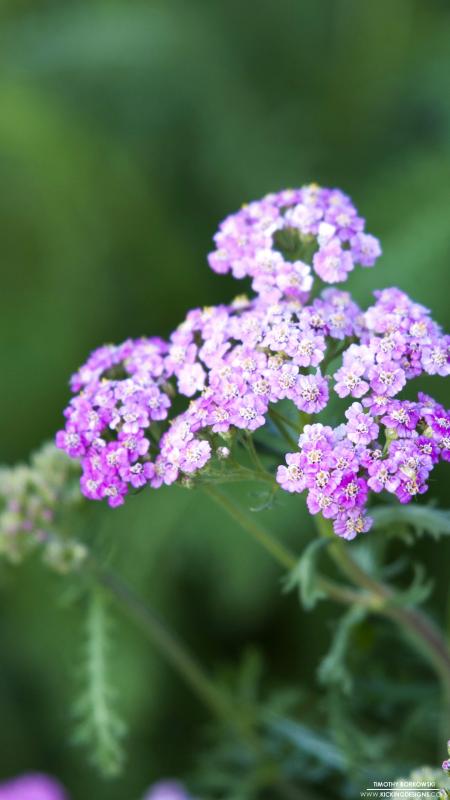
{"x":335,"y":353}
{"x":235,"y":474}
{"x":250,"y":445}
{"x":281,"y":423}
{"x":427,"y":638}
{"x":419,"y":628}
{"x":189,"y":669}
{"x":167,"y":643}
{"x":280,"y":553}
{"x":375,"y":595}
{"x":339,"y":551}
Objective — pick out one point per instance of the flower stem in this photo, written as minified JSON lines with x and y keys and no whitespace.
{"x":427,"y":638}
{"x":236,"y":474}
{"x":376,"y":596}
{"x":281,"y":423}
{"x":278,"y":551}
{"x":339,"y":550}
{"x":166,"y":642}
{"x":250,"y":445}
{"x":177,"y":654}
{"x":419,"y":628}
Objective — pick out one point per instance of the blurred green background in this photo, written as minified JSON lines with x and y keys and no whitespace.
{"x":127,"y":131}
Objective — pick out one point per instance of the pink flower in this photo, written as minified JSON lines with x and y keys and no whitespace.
{"x":32,"y":787}
{"x":166,"y":790}
{"x":361,"y":429}
{"x":332,"y":263}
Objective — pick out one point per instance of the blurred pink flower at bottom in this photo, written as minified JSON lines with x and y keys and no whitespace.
{"x":165,"y":790}
{"x":32,"y":787}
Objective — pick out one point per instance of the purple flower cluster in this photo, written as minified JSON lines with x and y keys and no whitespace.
{"x":230,"y":362}
{"x":272,"y":241}
{"x":386,"y":443}
{"x":120,"y":394}
{"x":148,"y":412}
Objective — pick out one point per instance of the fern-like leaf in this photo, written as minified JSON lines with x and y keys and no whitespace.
{"x":304,"y":575}
{"x":417,"y":592}
{"x":98,"y":726}
{"x":333,"y":670}
{"x":422,"y":519}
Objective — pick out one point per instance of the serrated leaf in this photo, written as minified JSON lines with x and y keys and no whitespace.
{"x":423,"y":519}
{"x":307,"y":741}
{"x":265,"y":500}
{"x":417,"y":592}
{"x":99,"y":727}
{"x":360,"y":748}
{"x":304,"y":575}
{"x":333,"y":670}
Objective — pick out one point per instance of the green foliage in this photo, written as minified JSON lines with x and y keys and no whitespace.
{"x":417,"y":592}
{"x":333,"y":669}
{"x":99,"y":727}
{"x":421,"y":519}
{"x":304,"y":575}
{"x":307,"y":742}
{"x":278,"y":757}
{"x":365,"y":752}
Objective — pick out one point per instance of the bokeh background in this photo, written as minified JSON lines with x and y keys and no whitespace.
{"x":127,"y":131}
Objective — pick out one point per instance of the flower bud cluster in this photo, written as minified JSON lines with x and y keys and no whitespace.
{"x":32,"y":498}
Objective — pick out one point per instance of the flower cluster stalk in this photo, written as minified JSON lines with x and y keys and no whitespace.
{"x":420,"y":629}
{"x":175,"y":652}
{"x":374,"y":595}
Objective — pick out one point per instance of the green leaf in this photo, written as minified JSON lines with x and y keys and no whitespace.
{"x":307,"y":741}
{"x":418,"y":591}
{"x":333,"y":670}
{"x":304,"y":575}
{"x":249,"y":676}
{"x":423,"y":519}
{"x":98,"y":726}
{"x":362,"y":749}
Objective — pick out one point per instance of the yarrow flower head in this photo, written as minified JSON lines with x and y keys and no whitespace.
{"x":243,"y":357}
{"x":152,"y":412}
{"x":386,"y":444}
{"x":281,"y":240}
